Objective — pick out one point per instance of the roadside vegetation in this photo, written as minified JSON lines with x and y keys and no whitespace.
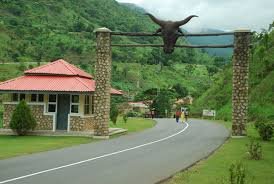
{"x":261,"y":77}
{"x":215,"y":169}
{"x":133,"y":124}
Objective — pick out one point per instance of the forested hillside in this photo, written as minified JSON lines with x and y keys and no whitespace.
{"x":261,"y":85}
{"x":217,"y":40}
{"x":45,"y":30}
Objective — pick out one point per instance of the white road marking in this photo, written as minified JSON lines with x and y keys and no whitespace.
{"x":95,"y":158}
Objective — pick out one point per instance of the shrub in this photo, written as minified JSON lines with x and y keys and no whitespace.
{"x":31,"y":66}
{"x":22,"y":67}
{"x":265,"y":130}
{"x":237,"y":174}
{"x":22,"y":120}
{"x":114,"y":114}
{"x":257,"y":124}
{"x":125,"y":117}
{"x":254,"y":150}
{"x":132,"y":114}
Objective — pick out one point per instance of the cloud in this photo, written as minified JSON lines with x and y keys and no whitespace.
{"x":219,"y":14}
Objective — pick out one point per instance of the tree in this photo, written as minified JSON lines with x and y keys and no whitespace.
{"x":22,"y":120}
{"x":125,"y":117}
{"x":180,"y":90}
{"x":190,"y":68}
{"x":114,"y":113}
{"x":211,"y":69}
{"x":148,"y":94}
{"x":163,"y":102}
{"x":219,"y":61}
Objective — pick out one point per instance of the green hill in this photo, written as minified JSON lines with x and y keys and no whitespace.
{"x":45,"y":30}
{"x":217,"y":40}
{"x":261,"y":97}
{"x":135,"y":77}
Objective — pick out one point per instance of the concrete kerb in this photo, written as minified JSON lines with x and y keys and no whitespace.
{"x":238,"y":137}
{"x":112,"y":131}
{"x":100,"y":137}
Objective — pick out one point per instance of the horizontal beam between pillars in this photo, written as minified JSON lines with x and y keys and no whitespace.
{"x":179,"y":46}
{"x":159,"y":34}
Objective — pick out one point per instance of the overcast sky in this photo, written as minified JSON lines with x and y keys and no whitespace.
{"x":219,"y":14}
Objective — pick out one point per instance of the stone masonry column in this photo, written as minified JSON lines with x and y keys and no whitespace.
{"x":103,"y":86}
{"x":240,"y":81}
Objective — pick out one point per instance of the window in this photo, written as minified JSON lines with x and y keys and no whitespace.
{"x":87,"y":105}
{"x":40,"y":98}
{"x":37,"y":98}
{"x":74,"y":98}
{"x":92,"y":104}
{"x":51,"y":107}
{"x":15,"y":97}
{"x":18,"y":97}
{"x":22,"y":97}
{"x":52,"y":103}
{"x":52,"y":98}
{"x":74,"y":104}
{"x":33,"y":98}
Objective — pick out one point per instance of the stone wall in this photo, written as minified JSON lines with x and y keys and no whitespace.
{"x":8,"y":110}
{"x":44,"y":122}
{"x":78,"y":123}
{"x":102,"y":78}
{"x":240,"y":82}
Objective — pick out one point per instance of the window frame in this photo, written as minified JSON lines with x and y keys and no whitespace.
{"x":74,"y":104}
{"x":43,"y":96}
{"x":87,"y":105}
{"x":92,"y":104}
{"x":37,"y":99}
{"x":52,"y":103}
{"x":32,"y":95}
{"x":15,"y":99}
{"x":19,"y":95}
{"x":22,"y":94}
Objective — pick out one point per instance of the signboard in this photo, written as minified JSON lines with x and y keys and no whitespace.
{"x":209,"y":112}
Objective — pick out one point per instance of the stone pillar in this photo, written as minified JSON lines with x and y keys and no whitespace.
{"x":103,"y":86}
{"x":240,"y":81}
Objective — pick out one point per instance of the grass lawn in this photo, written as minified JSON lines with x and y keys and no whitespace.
{"x":215,"y":169}
{"x":11,"y":146}
{"x":133,"y":124}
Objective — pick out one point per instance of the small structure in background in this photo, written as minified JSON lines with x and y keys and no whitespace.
{"x":209,"y":113}
{"x":188,"y":100}
{"x":140,"y":107}
{"x":60,"y":95}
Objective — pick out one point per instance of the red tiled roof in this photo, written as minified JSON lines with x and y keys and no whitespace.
{"x":59,"y":67}
{"x":47,"y":78}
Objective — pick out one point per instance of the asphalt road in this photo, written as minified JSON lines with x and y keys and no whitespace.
{"x":141,"y":158}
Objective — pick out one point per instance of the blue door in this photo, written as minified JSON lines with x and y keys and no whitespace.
{"x":63,"y":109}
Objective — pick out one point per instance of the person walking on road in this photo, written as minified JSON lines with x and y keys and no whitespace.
{"x":183,"y":116}
{"x":178,"y":115}
{"x":186,"y":114}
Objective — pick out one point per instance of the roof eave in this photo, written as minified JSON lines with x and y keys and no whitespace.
{"x":50,"y":92}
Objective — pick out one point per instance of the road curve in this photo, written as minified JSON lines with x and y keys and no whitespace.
{"x":145,"y":157}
